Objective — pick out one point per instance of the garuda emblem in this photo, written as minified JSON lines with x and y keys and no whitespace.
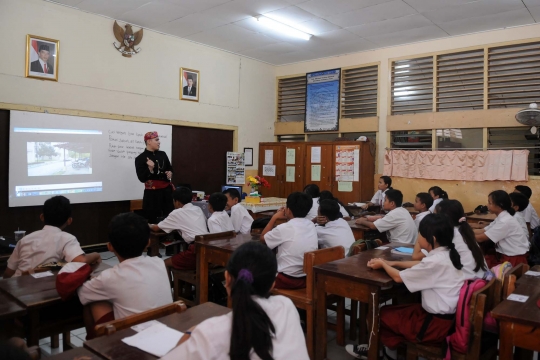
{"x":128,"y":40}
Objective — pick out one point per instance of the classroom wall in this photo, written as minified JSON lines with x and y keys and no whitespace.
{"x":94,"y":77}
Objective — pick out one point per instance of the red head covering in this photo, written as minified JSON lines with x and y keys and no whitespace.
{"x":150,"y":135}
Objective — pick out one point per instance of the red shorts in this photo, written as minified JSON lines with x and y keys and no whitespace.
{"x":289,"y":282}
{"x":498,"y":258}
{"x":185,"y":260}
{"x":402,"y":323}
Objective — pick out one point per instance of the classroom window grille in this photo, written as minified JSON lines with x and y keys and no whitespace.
{"x":420,"y":139}
{"x":514,"y":138}
{"x":412,"y":86}
{"x":291,"y":99}
{"x":359,"y":92}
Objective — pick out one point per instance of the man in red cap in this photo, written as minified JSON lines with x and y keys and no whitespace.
{"x":155,"y":171}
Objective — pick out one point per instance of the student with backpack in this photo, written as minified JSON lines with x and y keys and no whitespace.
{"x":438,"y":277}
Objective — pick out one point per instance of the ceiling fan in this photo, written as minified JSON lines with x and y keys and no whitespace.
{"x":530,"y":116}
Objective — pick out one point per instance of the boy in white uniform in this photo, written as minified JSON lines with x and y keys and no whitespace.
{"x":398,"y":223}
{"x":519,"y":204}
{"x":331,"y":229}
{"x":219,"y":221}
{"x":422,"y":203}
{"x":530,"y":215}
{"x":189,"y":221}
{"x":138,"y":283}
{"x":240,"y":217}
{"x":49,"y":244}
{"x":314,"y":192}
{"x":293,"y":239}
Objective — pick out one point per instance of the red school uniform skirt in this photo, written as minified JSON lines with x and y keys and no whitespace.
{"x":411,"y":323}
{"x":284,"y":281}
{"x":185,"y":260}
{"x":498,"y":258}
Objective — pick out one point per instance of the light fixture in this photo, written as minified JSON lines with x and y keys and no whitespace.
{"x":282,"y":28}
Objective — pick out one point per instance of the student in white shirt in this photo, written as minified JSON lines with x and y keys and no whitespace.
{"x":422,"y":203}
{"x":138,"y":283}
{"x":438,"y":195}
{"x":530,"y":215}
{"x":49,"y":244}
{"x":219,"y":221}
{"x":313,"y":191}
{"x":438,"y":277}
{"x":398,"y":223}
{"x":519,"y":204}
{"x":327,"y":195}
{"x":385,"y":184}
{"x":472,"y":258}
{"x":331,"y":229}
{"x":260,"y":326}
{"x":189,"y":221}
{"x":240,"y":217}
{"x":292,"y":239}
{"x":504,"y":231}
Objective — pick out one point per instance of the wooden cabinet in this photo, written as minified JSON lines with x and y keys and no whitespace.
{"x":330,"y":168}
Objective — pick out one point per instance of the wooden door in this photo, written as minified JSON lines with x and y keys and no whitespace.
{"x":325,"y":163}
{"x":276,"y":182}
{"x":297,"y":183}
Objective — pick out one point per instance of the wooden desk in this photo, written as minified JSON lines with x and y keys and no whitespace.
{"x":351,"y":278}
{"x":155,"y":238}
{"x":111,"y":347}
{"x":10,"y":308}
{"x":262,"y":214}
{"x":38,"y":296}
{"x":485,"y":217}
{"x":519,"y":322}
{"x":358,"y":230}
{"x":218,"y":253}
{"x":76,"y":354}
{"x":412,"y":211}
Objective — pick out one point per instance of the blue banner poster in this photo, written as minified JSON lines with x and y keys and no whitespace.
{"x":322,"y":101}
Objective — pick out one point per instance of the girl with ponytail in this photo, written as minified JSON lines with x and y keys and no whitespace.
{"x":439,"y":279}
{"x":438,"y":195}
{"x":260,"y":326}
{"x":511,"y":243}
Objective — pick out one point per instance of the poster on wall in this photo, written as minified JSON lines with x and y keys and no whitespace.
{"x":236,"y":169}
{"x":322,"y":101}
{"x":348,"y":163}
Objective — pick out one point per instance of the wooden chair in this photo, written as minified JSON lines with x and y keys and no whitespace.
{"x":510,"y":278}
{"x":482,"y":302}
{"x":111,"y":327}
{"x":304,"y":298}
{"x":182,"y":278}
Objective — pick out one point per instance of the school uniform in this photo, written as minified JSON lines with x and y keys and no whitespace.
{"x":467,"y":259}
{"x":133,"y":286}
{"x":189,"y":221}
{"x":335,"y":233}
{"x":419,"y":218}
{"x":440,"y":283}
{"x":511,"y":243}
{"x":220,"y":221}
{"x":399,"y":226}
{"x":521,"y":221}
{"x":435,"y":202}
{"x":531,"y":216}
{"x":293,"y":239}
{"x":43,"y":246}
{"x":241,"y":219}
{"x":378,"y":198}
{"x":343,"y":211}
{"x":211,"y":339}
{"x":314,"y":211}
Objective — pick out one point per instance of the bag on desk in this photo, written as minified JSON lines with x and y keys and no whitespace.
{"x":71,"y":277}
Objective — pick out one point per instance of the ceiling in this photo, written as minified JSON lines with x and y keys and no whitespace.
{"x":338,"y":26}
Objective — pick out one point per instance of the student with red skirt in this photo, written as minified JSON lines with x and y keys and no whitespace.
{"x":511,"y":243}
{"x":438,"y":277}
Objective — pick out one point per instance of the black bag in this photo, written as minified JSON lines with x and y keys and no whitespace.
{"x":216,"y":291}
{"x":260,"y":223}
{"x":481,"y":209}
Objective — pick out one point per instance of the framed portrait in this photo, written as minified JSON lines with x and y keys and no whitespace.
{"x":42,"y":56}
{"x":248,"y":156}
{"x":190,"y":81}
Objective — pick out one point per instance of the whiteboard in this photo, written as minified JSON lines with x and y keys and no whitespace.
{"x":85,"y":159}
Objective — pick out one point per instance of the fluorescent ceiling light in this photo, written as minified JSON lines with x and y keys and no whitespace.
{"x":282,"y":28}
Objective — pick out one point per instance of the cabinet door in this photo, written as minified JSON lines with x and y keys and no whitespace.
{"x":293,"y":166}
{"x":276,"y":182}
{"x":340,"y":167}
{"x":323,"y":165}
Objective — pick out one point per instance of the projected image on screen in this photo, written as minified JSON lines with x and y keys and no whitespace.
{"x":58,"y":158}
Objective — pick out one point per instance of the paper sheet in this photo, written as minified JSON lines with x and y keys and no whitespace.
{"x":315,"y":172}
{"x":145,"y":325}
{"x":290,"y":174}
{"x":316,"y":154}
{"x":269,"y":170}
{"x":42,"y":274}
{"x":345,"y":186}
{"x":518,"y":298}
{"x":268,"y":157}
{"x":533,"y":273}
{"x":157,"y":340}
{"x":291,"y":157}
